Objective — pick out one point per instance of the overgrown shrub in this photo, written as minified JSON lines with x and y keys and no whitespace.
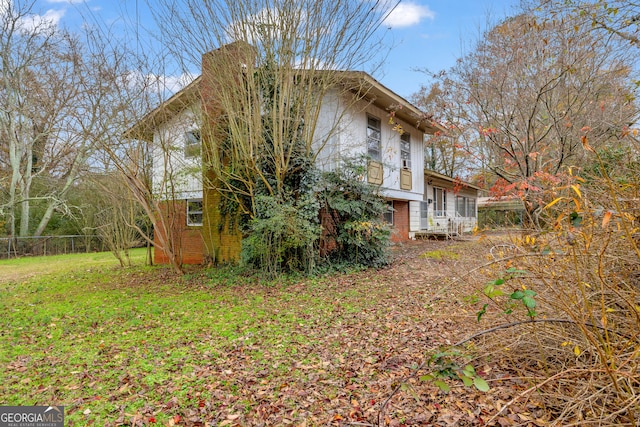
{"x":354,"y":232}
{"x":283,"y":236}
{"x":336,"y":220}
{"x":574,"y":291}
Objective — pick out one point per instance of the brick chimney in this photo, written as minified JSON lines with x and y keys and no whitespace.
{"x":222,"y":70}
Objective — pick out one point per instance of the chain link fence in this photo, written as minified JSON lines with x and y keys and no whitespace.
{"x":13,"y":247}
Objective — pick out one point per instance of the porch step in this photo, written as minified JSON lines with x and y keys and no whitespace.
{"x":427,"y":234}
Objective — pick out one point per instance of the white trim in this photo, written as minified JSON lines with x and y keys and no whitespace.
{"x":190,"y":213}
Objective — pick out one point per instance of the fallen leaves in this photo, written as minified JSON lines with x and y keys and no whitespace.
{"x":320,"y":352}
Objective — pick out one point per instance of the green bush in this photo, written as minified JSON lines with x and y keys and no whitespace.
{"x":354,"y":231}
{"x":283,"y":236}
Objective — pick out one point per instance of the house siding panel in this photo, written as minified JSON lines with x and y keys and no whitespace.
{"x":174,"y":175}
{"x":453,"y":189}
{"x":414,"y":216}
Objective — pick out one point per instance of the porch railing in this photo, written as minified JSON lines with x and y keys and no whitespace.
{"x":444,"y":224}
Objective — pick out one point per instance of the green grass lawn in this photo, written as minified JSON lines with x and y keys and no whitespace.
{"x":141,"y":345}
{"x":27,"y":267}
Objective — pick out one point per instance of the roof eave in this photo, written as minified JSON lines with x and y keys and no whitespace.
{"x":387,"y":99}
{"x":434,"y":174}
{"x":145,"y":127}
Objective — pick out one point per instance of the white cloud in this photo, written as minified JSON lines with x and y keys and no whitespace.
{"x":4,"y":7}
{"x":173,"y":84}
{"x":408,"y":14}
{"x":31,"y":21}
{"x":160,"y":84}
{"x":264,"y":25}
{"x":50,"y":18}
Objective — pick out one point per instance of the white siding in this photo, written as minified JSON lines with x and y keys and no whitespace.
{"x":442,"y":224}
{"x":345,"y":135}
{"x":340,"y":133}
{"x":327,"y":140}
{"x":414,"y":216}
{"x":174,"y":176}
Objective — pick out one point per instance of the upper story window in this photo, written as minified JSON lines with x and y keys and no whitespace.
{"x":194,"y":212}
{"x":405,"y":151}
{"x":439,"y":202}
{"x":192,"y":143}
{"x":374,"y":140}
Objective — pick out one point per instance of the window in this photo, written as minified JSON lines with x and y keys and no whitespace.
{"x":405,"y":151}
{"x":374,"y":141}
{"x":471,"y":207}
{"x":439,"y":202}
{"x":424,"y":215}
{"x":192,"y":143}
{"x":194,"y":212}
{"x":466,"y":206}
{"x":461,"y":206}
{"x":388,"y":213}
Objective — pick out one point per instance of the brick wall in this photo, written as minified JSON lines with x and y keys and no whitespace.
{"x":187,"y":240}
{"x":223,"y":240}
{"x":400,"y":221}
{"x":222,"y":69}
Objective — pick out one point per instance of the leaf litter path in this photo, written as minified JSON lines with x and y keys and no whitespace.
{"x":340,"y":364}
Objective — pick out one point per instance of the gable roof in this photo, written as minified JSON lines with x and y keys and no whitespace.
{"x":358,"y":82}
{"x":178,"y":102}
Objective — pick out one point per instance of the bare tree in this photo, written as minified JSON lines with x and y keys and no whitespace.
{"x":148,"y":167}
{"x":118,"y":217}
{"x":53,"y":97}
{"x":66,"y":101}
{"x":533,"y":94}
{"x":447,"y":152}
{"x":618,"y":17}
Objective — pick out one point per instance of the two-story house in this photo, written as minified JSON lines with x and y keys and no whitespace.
{"x":379,"y":124}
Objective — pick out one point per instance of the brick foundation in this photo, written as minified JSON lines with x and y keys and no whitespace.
{"x":188,"y":243}
{"x":400,"y":221}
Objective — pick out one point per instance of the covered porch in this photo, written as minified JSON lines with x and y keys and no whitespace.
{"x":449,"y":207}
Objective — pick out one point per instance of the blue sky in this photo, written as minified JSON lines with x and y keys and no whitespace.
{"x":447,"y":28}
{"x":428,"y":34}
